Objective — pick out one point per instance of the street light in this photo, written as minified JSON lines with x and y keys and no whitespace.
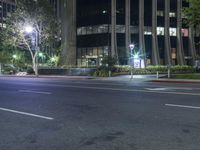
{"x":29,"y":29}
{"x":132,"y":46}
{"x":14,"y":56}
{"x":131,"y":61}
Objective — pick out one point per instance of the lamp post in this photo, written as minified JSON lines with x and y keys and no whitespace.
{"x":14,"y":56}
{"x":132,"y":46}
{"x":30,"y":29}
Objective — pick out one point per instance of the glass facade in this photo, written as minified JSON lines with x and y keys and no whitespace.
{"x":91,"y":56}
{"x":94,"y":29}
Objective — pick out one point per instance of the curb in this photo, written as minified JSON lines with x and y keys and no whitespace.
{"x":49,"y":77}
{"x":175,"y":81}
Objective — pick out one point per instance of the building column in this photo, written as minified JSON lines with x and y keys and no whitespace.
{"x":141,"y":31}
{"x":155,"y":51}
{"x":68,"y":33}
{"x":114,"y":52}
{"x":128,"y":23}
{"x":192,"y":49}
{"x":180,"y":51}
{"x":58,"y":8}
{"x":1,"y":15}
{"x":168,"y":55}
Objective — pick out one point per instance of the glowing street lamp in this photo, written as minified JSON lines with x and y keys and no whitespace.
{"x":136,"y":56}
{"x":29,"y":29}
{"x":53,"y":59}
{"x":132,"y":46}
{"x":14,"y":56}
{"x":40,"y":54}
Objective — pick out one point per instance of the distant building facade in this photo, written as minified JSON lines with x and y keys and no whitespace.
{"x":94,"y":29}
{"x":6,"y":6}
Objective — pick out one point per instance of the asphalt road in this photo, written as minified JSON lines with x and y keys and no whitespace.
{"x":84,"y":114}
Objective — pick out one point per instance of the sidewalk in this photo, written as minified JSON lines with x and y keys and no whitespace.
{"x":50,"y":76}
{"x":185,"y":81}
{"x":150,"y":78}
{"x":128,"y":78}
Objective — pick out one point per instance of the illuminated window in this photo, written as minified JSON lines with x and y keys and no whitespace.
{"x":185,"y":32}
{"x":172,"y":14}
{"x":120,"y":29}
{"x":3,"y":25}
{"x":147,"y":31}
{"x":160,"y":30}
{"x":160,"y":13}
{"x":172,"y":31}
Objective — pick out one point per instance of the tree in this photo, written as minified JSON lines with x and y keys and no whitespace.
{"x":5,"y":51}
{"x":36,"y":14}
{"x":192,"y":14}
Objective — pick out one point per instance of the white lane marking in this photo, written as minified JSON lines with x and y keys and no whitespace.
{"x":157,"y":89}
{"x":167,"y":88}
{"x":36,"y":92}
{"x":25,"y":113}
{"x":182,"y":106}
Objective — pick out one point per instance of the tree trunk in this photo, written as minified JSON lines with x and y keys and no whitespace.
{"x":68,"y":27}
{"x":114,"y":52}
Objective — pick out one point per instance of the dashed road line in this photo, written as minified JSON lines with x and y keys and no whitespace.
{"x":35,"y":92}
{"x":182,"y":106}
{"x":25,"y":113}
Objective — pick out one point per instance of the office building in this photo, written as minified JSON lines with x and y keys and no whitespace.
{"x":94,"y":29}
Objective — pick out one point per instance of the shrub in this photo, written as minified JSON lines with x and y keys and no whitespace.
{"x":30,"y":70}
{"x":9,"y":69}
{"x":101,"y":73}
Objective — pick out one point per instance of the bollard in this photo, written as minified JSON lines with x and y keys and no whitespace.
{"x":131,"y":74}
{"x":109,"y":73}
{"x":168,"y":73}
{"x":157,"y":75}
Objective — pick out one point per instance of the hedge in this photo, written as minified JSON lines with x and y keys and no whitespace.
{"x":103,"y":71}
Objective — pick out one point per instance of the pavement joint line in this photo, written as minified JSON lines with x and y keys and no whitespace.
{"x":25,"y":113}
{"x":182,"y":106}
{"x":36,"y":92}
